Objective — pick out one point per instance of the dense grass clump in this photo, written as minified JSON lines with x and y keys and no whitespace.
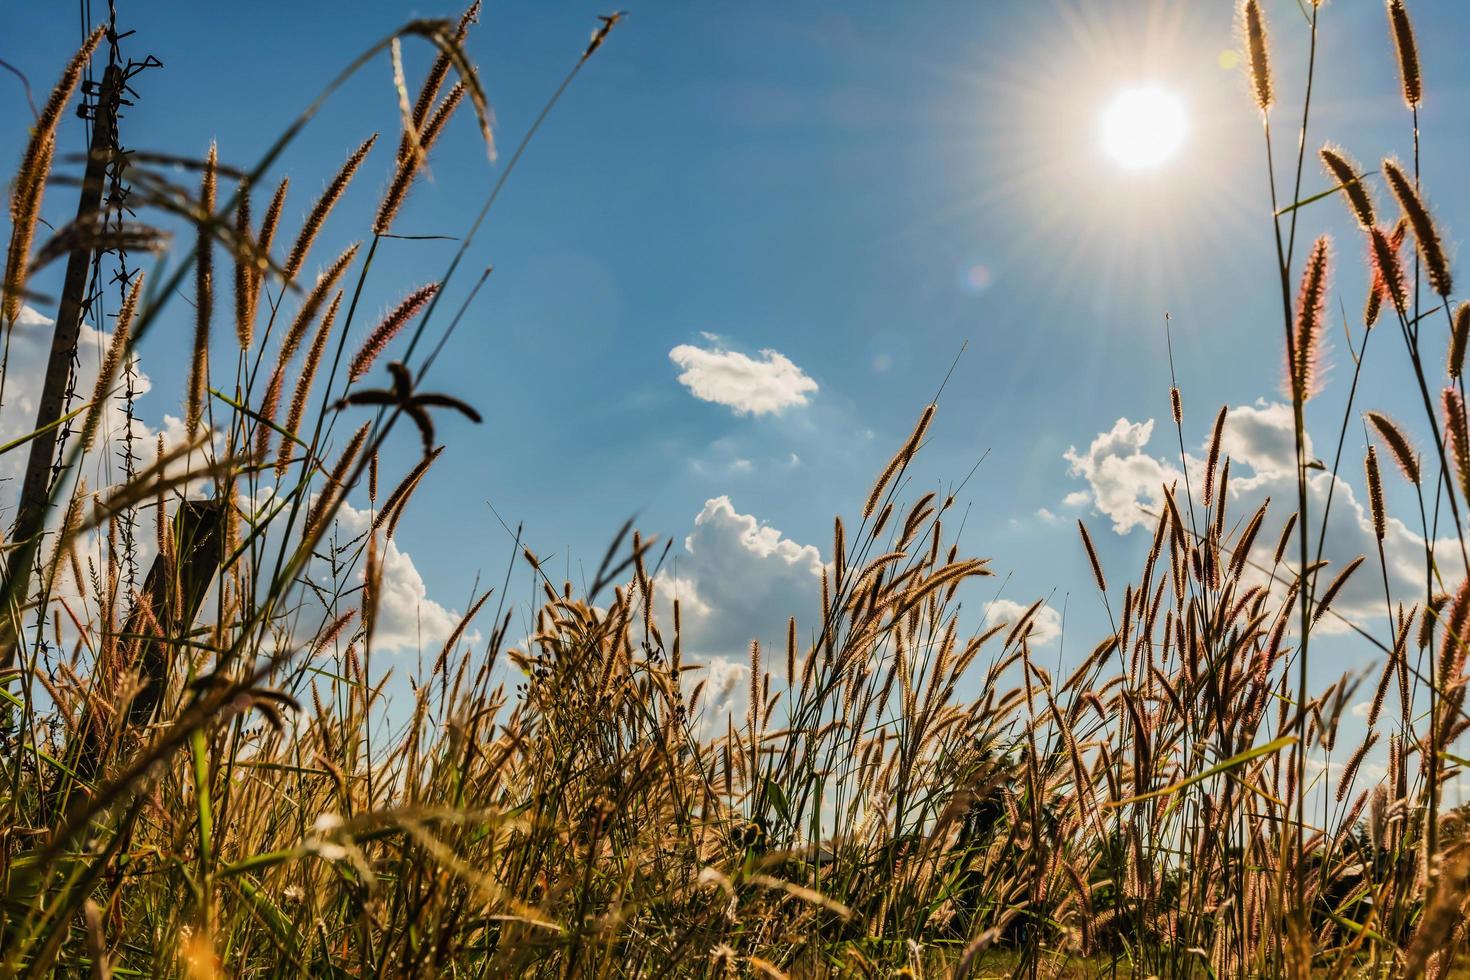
{"x":203,"y":775}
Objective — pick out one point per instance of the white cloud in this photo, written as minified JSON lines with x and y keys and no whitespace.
{"x":725,"y":691}
{"x":407,"y":619}
{"x":1045,"y":626}
{"x":1123,"y":479}
{"x":1047,"y":517}
{"x":406,"y":614}
{"x":766,"y":384}
{"x":1264,"y":436}
{"x":737,"y":580}
{"x":30,"y":347}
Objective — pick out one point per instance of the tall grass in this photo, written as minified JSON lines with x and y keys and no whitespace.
{"x":201,"y":781}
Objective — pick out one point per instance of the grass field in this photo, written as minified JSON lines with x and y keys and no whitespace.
{"x":201,"y":780}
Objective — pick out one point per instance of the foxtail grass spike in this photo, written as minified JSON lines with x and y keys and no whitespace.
{"x":1383,"y":254}
{"x":1431,"y":248}
{"x":1306,"y":341}
{"x":323,"y":207}
{"x":1347,"y":173}
{"x":1398,"y":445}
{"x":203,"y":296}
{"x":1097,"y":571}
{"x":1375,"y":494}
{"x":1459,"y":335}
{"x":377,"y":341}
{"x":410,"y":164}
{"x":1408,"y":53}
{"x":323,"y":287}
{"x":30,"y":180}
{"x":1388,"y":270}
{"x":116,"y":351}
{"x":304,"y":382}
{"x":1212,"y":459}
{"x":1458,"y":437}
{"x":1258,"y":57}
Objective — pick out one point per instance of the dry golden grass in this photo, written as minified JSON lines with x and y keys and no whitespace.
{"x":199,"y":782}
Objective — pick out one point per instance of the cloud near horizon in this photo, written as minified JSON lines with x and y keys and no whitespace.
{"x":736,"y":580}
{"x":407,"y":616}
{"x":1125,"y":482}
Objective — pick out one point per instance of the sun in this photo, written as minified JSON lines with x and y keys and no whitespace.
{"x":1143,"y":127}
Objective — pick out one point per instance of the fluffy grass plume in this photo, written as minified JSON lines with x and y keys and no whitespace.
{"x":1398,"y":444}
{"x":1426,"y":235}
{"x":1346,"y":172}
{"x":317,"y":217}
{"x":1459,"y":337}
{"x":1386,"y":253}
{"x":389,"y":327}
{"x":1457,"y":434}
{"x":1305,"y":353}
{"x":1388,"y":271}
{"x":203,"y":296}
{"x":245,"y":271}
{"x":29,"y":186}
{"x":1402,"y":29}
{"x":1092,"y":559}
{"x":1257,"y":53}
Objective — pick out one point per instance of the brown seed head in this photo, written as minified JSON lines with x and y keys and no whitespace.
{"x":1097,"y":572}
{"x":1213,"y":457}
{"x":1388,"y":272}
{"x":30,"y":179}
{"x":1345,"y":171}
{"x":383,"y":334}
{"x":1408,"y":52}
{"x":1459,"y":335}
{"x":410,"y":164}
{"x":244,"y":271}
{"x":1258,"y":60}
{"x":1399,"y":446}
{"x":303,"y":384}
{"x":116,"y":351}
{"x":1431,"y":247}
{"x":1311,"y":310}
{"x":324,"y":206}
{"x":203,"y":296}
{"x":1375,"y":494}
{"x":1457,"y":436}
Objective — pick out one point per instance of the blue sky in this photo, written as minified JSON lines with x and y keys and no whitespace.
{"x":862,"y":188}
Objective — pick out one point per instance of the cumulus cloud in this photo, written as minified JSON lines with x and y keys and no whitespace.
{"x":1124,"y":479}
{"x":1045,"y":627}
{"x":30,"y":348}
{"x":736,"y":580}
{"x":407,"y":616}
{"x":767,"y":384}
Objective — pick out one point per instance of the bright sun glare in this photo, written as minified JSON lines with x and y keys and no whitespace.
{"x":1143,"y":127}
